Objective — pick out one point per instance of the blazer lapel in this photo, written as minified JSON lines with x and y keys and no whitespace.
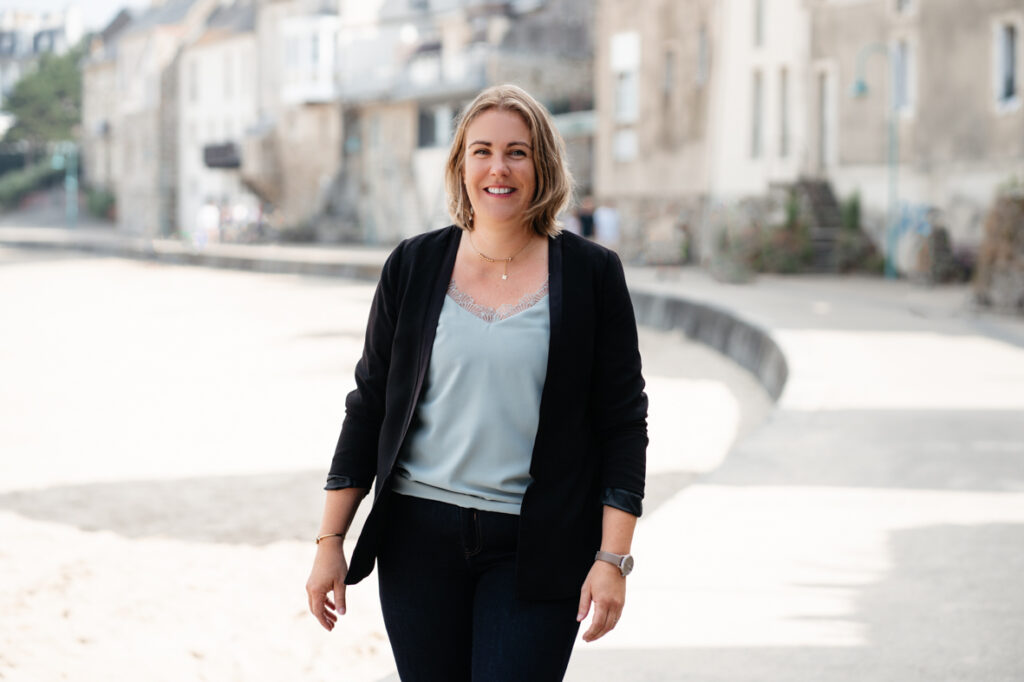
{"x":438,"y":290}
{"x":556,"y":356}
{"x":555,"y":300}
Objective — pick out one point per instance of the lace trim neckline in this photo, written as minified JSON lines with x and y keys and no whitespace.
{"x":502,"y":312}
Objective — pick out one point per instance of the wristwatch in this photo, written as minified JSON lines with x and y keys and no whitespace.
{"x":623,"y":561}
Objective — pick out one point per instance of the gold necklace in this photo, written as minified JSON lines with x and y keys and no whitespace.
{"x":495,"y":260}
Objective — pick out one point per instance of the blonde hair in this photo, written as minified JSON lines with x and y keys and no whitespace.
{"x":553,"y":179}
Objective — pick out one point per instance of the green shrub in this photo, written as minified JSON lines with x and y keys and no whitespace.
{"x":784,"y":249}
{"x":101,"y":203}
{"x":15,"y":185}
{"x":849,"y":213}
{"x":302,"y":233}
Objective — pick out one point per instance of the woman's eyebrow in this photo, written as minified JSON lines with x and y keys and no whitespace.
{"x":510,"y":144}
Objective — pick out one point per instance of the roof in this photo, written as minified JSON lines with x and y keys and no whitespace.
{"x":239,"y":17}
{"x":227,"y":21}
{"x":117,"y":24}
{"x":170,"y":12}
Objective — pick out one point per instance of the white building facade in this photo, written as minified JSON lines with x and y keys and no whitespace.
{"x":218,"y":85}
{"x":757,"y":118}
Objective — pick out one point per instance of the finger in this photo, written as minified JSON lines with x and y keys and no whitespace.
{"x":597,"y":626}
{"x":614,"y":614}
{"x":317,"y":608}
{"x":613,"y":620}
{"x":339,"y":598}
{"x":584,"y":607}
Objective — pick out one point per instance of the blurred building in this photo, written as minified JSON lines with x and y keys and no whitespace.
{"x":332,"y":116}
{"x":26,"y":35}
{"x":145,"y":124}
{"x":219,"y":81}
{"x":100,"y":162}
{"x":951,"y":70}
{"x":707,"y":104}
{"x":407,"y":67}
{"x":292,"y":153}
{"x":653,"y":87}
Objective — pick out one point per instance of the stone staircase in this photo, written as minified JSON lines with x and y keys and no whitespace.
{"x":818,"y":202}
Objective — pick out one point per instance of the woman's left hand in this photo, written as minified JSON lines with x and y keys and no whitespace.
{"x":605,"y":586}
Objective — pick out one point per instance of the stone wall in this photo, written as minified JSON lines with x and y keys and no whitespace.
{"x":999,"y":282}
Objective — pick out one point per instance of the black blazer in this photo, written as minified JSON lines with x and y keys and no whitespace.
{"x":592,"y":433}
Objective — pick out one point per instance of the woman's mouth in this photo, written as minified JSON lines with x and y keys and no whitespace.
{"x":499,"y":191}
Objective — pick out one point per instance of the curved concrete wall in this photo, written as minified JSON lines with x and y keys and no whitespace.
{"x":749,"y":346}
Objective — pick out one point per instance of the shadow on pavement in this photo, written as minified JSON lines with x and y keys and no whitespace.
{"x":923,"y":621}
{"x":245,"y":510}
{"x":976,"y":450}
{"x":238,"y":510}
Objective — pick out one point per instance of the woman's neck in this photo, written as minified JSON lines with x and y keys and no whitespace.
{"x":501,"y":241}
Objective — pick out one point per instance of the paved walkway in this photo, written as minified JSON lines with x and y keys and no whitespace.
{"x":871,"y":529}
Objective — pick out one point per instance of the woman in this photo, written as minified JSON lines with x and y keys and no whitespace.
{"x":499,"y":404}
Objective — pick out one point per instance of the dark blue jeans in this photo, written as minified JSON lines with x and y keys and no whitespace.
{"x":448,"y":593}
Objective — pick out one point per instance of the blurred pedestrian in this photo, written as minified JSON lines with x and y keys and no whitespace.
{"x":606,"y":225}
{"x":207,"y":223}
{"x":571,"y":222}
{"x":586,"y":217}
{"x":499,"y":404}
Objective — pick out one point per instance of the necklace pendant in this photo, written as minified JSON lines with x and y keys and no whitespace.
{"x":504,"y":276}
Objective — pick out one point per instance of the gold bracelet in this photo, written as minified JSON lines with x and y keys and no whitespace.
{"x":328,"y":535}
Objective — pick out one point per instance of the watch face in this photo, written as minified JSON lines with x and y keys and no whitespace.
{"x":627,"y":564}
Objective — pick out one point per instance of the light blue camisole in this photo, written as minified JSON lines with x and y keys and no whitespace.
{"x":471,"y":441}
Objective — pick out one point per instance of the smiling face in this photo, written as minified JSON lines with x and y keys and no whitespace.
{"x":498,"y":168}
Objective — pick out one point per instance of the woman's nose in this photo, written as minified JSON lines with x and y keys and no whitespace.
{"x":499,"y":165}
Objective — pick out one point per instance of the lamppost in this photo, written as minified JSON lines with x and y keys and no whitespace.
{"x":859,"y":91}
{"x":65,"y":157}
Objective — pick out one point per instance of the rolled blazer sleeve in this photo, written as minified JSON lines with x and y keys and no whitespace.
{"x":355,"y":456}
{"x":620,"y":416}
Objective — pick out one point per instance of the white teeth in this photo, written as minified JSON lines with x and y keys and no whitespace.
{"x":499,"y":190}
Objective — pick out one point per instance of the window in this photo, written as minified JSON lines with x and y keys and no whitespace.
{"x":426,"y":128}
{"x":825,"y":120}
{"x":193,"y":82}
{"x":625,"y":66}
{"x":625,"y":63}
{"x":1007,"y":86}
{"x":902,"y":66}
{"x":755,"y":115}
{"x":626,"y":107}
{"x":434,"y":127}
{"x":668,"y":115}
{"x":314,"y":51}
{"x":291,"y":54}
{"x":702,"y":56}
{"x":783,"y":113}
{"x":227,"y":76}
{"x":758,"y":23}
{"x":624,"y":145}
{"x":904,"y":6}
{"x":668,"y":75}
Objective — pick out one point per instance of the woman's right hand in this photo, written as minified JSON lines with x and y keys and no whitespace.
{"x":328,"y":576}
